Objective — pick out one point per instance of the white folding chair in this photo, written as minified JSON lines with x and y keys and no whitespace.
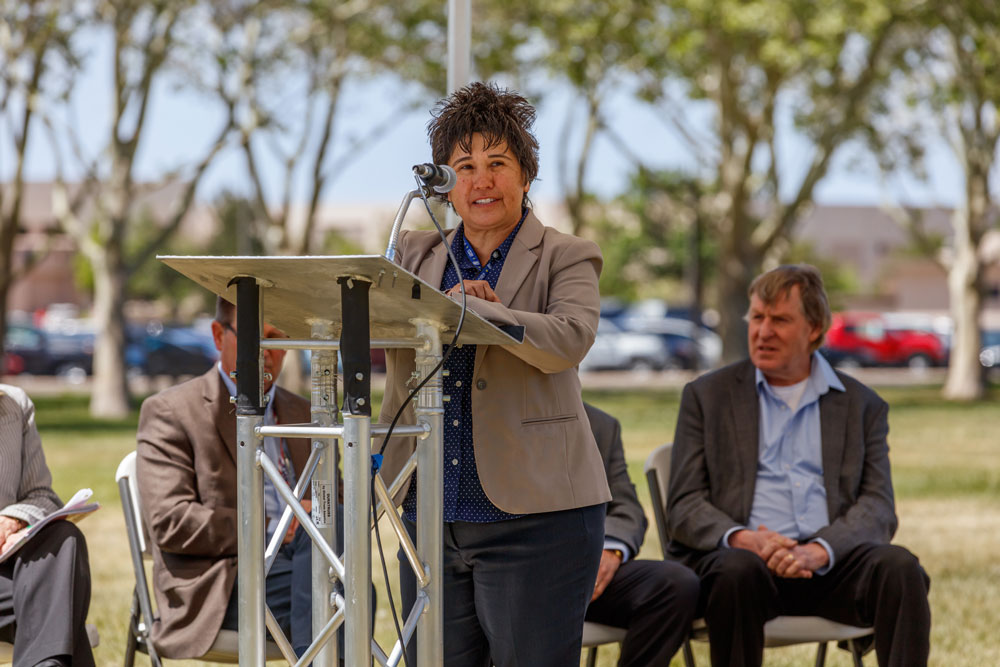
{"x":780,"y":631}
{"x":225,"y":648}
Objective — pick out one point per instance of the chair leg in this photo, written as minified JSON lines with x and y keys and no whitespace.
{"x":855,"y":653}
{"x":821,"y":654}
{"x":688,"y":654}
{"x":592,"y":656}
{"x":131,"y":642}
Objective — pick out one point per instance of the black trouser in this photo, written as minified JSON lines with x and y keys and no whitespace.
{"x":882,"y":586}
{"x":516,"y":591}
{"x":44,"y":598}
{"x":656,"y":602}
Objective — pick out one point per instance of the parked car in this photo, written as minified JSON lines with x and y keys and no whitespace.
{"x":866,"y":339}
{"x":989,"y":355}
{"x":689,"y":345}
{"x":12,"y":363}
{"x":155,"y":349}
{"x":39,"y":352}
{"x":617,"y":349}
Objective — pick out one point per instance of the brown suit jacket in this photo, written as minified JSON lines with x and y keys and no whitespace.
{"x":186,"y":471}
{"x":534,"y":448}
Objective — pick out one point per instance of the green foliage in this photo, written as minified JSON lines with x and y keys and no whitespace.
{"x":659,"y":238}
{"x":584,"y":42}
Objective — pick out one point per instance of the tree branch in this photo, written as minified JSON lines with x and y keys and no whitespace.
{"x":186,"y":199}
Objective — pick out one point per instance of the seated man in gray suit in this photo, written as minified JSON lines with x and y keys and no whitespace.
{"x":654,"y":600}
{"x":780,"y":490}
{"x":186,"y":470}
{"x":44,"y":586}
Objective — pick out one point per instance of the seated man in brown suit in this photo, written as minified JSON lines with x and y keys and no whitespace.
{"x":187,"y":479}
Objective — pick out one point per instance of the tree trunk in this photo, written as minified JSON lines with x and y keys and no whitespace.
{"x":737,"y":270}
{"x":7,"y":234}
{"x":739,"y":262}
{"x":110,"y":397}
{"x":965,"y":376}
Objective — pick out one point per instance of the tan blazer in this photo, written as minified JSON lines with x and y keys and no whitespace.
{"x":186,"y":470}
{"x":534,"y":448}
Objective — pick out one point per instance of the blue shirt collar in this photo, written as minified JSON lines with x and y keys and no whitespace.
{"x":822,"y":378}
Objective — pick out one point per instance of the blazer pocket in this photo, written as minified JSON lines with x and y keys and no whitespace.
{"x":557,"y":419}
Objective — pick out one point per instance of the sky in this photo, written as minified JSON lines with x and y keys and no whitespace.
{"x":181,"y":124}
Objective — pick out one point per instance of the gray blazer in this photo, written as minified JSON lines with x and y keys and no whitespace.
{"x":25,"y":482}
{"x":714,"y":463}
{"x":625,"y":520}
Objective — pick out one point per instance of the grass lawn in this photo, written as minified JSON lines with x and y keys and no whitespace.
{"x":946,"y":466}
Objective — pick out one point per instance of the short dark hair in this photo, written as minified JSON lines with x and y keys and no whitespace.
{"x":225,"y":312}
{"x":778,"y":282}
{"x":499,"y":114}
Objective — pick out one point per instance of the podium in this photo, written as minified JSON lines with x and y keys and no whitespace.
{"x":350,"y":304}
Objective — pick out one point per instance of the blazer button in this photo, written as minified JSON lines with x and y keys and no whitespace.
{"x":480,"y":384}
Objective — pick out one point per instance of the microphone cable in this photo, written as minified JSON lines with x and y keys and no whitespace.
{"x":385,"y":441}
{"x":458,"y":329}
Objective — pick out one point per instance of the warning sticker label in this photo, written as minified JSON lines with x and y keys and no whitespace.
{"x":322,"y":503}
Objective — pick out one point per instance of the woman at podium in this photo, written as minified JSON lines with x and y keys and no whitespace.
{"x":524,"y":484}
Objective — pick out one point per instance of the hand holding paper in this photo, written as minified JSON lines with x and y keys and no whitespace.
{"x":74,"y":510}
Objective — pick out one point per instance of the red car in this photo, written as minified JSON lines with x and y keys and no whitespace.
{"x":865,"y":339}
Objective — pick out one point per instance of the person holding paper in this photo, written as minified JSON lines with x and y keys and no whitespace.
{"x":45,"y":585}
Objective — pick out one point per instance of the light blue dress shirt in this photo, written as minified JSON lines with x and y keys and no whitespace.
{"x":789,"y":496}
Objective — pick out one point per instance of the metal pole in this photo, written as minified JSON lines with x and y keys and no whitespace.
{"x":357,"y":410}
{"x":324,"y":489}
{"x":249,"y":477}
{"x":459,"y":43}
{"x":430,"y":504}
{"x":459,"y":61}
{"x":357,"y":538}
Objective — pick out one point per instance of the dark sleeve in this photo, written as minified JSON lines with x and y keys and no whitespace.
{"x":871,"y":515}
{"x":692,"y":519}
{"x":626,"y":520}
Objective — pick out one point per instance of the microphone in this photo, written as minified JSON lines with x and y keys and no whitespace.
{"x":440,"y":177}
